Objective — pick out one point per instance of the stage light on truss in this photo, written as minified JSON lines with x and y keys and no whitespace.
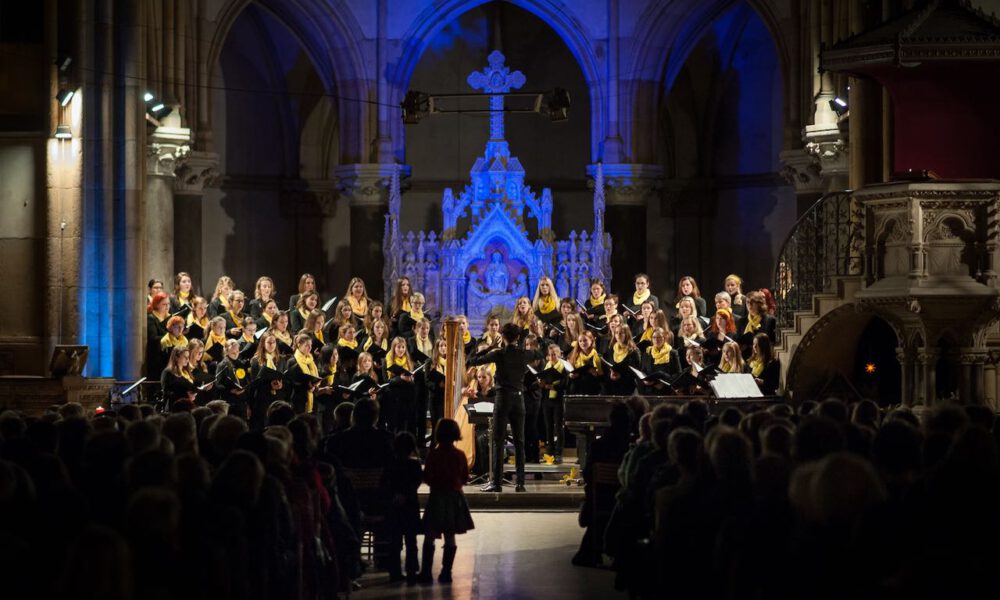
{"x":148,"y":97}
{"x":415,"y":106}
{"x":557,"y":104}
{"x":63,"y":132}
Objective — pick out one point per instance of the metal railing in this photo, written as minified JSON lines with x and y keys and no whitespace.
{"x":826,"y":242}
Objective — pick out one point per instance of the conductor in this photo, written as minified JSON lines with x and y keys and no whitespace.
{"x":510,"y":361}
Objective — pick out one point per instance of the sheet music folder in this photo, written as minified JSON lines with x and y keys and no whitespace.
{"x":735,"y":385}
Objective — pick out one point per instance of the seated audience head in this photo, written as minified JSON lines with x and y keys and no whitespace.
{"x":365,"y":413}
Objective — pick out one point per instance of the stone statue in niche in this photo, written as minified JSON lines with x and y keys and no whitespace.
{"x":497,"y":277}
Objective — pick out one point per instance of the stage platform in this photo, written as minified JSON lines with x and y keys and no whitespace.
{"x":545,"y":484}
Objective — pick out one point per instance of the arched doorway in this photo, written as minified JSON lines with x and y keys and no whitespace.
{"x":876,"y":368}
{"x":276,"y":127}
{"x":721,"y":129}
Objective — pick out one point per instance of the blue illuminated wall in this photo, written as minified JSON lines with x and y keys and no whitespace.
{"x":722,"y":141}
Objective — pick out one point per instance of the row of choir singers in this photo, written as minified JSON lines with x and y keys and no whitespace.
{"x":252,"y":373}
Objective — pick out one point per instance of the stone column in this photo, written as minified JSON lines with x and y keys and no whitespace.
{"x":928,"y":380}
{"x":906,"y":392}
{"x":197,"y":171}
{"x":628,"y":190}
{"x":366,"y":187}
{"x":991,"y":376}
{"x":168,"y":145}
{"x":823,"y":138}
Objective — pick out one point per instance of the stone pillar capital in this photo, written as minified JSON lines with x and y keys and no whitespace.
{"x":196,"y":171}
{"x":628,"y":184}
{"x":802,"y":169}
{"x":168,"y":145}
{"x":828,"y":145}
{"x":367,"y":184}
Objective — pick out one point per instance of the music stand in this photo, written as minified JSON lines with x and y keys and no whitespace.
{"x":735,"y":385}
{"x":118,"y":398}
{"x":482,"y":418}
{"x":68,"y":360}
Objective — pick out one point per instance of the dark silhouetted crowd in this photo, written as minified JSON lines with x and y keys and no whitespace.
{"x":826,"y":500}
{"x":193,"y":505}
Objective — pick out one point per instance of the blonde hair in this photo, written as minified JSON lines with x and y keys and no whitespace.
{"x":256,"y":287}
{"x":699,"y":332}
{"x":224,"y":281}
{"x":536,"y":301}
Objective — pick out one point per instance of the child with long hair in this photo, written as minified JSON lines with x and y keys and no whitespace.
{"x":446,"y":470}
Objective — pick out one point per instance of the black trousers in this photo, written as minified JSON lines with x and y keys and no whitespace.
{"x":508,"y":409}
{"x":552,"y":409}
{"x":532,"y":431}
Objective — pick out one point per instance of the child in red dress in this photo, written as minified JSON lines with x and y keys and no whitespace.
{"x":446,"y":470}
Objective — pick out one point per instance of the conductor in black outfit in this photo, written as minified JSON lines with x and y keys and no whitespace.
{"x":510,"y":361}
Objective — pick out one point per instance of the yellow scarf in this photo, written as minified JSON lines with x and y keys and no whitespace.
{"x":224,"y":302}
{"x":425,"y":345}
{"x":406,"y":306}
{"x":308,"y":366}
{"x":620,"y":352}
{"x":401,"y":361}
{"x":304,"y":313}
{"x":269,"y":360}
{"x":202,"y":322}
{"x":558,"y":366}
{"x":442,"y":365}
{"x":333,"y":373}
{"x":267,"y":318}
{"x":587,"y":360}
{"x":647,"y":334}
{"x":213,"y":340}
{"x":169,"y":341}
{"x":319,"y":336}
{"x":546,"y":304}
{"x":417,"y":316}
{"x":238,"y":321}
{"x":246,"y":339}
{"x":360,"y":307}
{"x":283,"y":336}
{"x":160,"y":316}
{"x":353,"y":344}
{"x":638,"y":299}
{"x":186,"y":374}
{"x":383,"y":344}
{"x":725,"y":367}
{"x":609,"y":315}
{"x":466,"y":337}
{"x":182,"y":298}
{"x":756,"y":366}
{"x":597,"y":301}
{"x":753,"y":323}
{"x":661,"y":356}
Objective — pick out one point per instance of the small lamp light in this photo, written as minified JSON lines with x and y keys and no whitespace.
{"x":63,"y":132}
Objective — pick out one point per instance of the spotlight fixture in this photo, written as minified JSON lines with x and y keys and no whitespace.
{"x":155,"y":107}
{"x":64,"y":96}
{"x":63,"y":132}
{"x":557,"y":105}
{"x":838,"y":105}
{"x":415,"y":106}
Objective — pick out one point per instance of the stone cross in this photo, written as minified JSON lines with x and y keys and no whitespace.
{"x":496,"y":80}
